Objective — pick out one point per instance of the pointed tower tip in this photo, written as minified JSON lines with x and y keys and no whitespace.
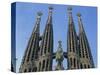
{"x":79,"y":14}
{"x":59,"y":41}
{"x":39,"y":13}
{"x":69,"y":8}
{"x":50,"y":8}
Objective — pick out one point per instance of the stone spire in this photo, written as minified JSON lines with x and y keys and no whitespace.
{"x":72,"y":43}
{"x":86,"y":60}
{"x":31,"y":53}
{"x":59,"y":57}
{"x":46,"y":46}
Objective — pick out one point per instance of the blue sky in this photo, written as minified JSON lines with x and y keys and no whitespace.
{"x":26,"y":17}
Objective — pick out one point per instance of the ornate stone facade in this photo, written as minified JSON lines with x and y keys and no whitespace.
{"x":39,"y":52}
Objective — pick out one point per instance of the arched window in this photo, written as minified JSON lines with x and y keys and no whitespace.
{"x":84,"y":65}
{"x":74,"y":62}
{"x":86,"y":54}
{"x":25,"y":70}
{"x":73,"y":41}
{"x":47,"y":64}
{"x":82,"y":48}
{"x":45,"y":50}
{"x":43,"y":64}
{"x":70,"y":61}
{"x":39,"y":66}
{"x":35,"y":69}
{"x":29,"y":69}
{"x":77,"y":63}
{"x":81,"y":66}
{"x":88,"y":66}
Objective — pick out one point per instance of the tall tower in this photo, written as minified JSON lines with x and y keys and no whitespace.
{"x":86,"y":60}
{"x":72,"y":43}
{"x":46,"y":46}
{"x":59,"y":57}
{"x":29,"y":61}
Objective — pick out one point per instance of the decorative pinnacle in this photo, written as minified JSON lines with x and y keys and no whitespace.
{"x":59,"y":42}
{"x":50,"y":8}
{"x":79,"y":14}
{"x":39,"y":13}
{"x":69,"y":8}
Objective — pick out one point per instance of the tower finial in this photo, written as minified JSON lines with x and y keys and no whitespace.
{"x":81,"y":29}
{"x":59,"y":41}
{"x":49,"y":20}
{"x":50,"y":9}
{"x":39,"y":14}
{"x":79,"y":14}
{"x":69,"y":9}
{"x":59,"y":57}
